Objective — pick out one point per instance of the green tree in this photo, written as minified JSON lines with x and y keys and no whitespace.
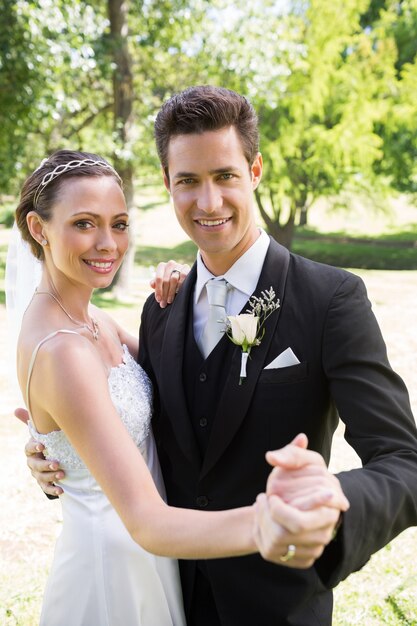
{"x":100,"y":71}
{"x":58,"y":85}
{"x":321,"y":83}
{"x":333,"y":83}
{"x":20,"y":81}
{"x":84,"y":64}
{"x":398,"y":128}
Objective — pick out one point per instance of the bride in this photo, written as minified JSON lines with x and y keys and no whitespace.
{"x":90,"y":405}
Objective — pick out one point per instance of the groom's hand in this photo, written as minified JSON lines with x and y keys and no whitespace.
{"x":301,"y":508}
{"x":45,"y":472}
{"x":301,"y":478}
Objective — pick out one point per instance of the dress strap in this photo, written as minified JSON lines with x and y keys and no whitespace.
{"x":32,"y":363}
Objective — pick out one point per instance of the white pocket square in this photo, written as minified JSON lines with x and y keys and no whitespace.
{"x":285,"y":359}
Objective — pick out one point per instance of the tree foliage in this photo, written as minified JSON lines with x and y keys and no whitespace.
{"x":20,"y":88}
{"x":57,"y":70}
{"x":324,"y":82}
{"x":398,"y":129}
{"x":334,"y":84}
{"x":61,"y":48}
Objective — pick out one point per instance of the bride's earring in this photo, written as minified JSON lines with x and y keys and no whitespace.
{"x":44,"y":242}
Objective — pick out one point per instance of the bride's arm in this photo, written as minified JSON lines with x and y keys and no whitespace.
{"x":70,"y":384}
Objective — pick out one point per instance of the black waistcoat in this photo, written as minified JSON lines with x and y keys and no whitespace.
{"x":204,"y":381}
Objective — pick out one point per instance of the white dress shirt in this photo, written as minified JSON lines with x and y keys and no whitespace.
{"x":242,"y":277}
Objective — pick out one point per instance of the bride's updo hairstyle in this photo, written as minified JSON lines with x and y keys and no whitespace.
{"x":40,"y":190}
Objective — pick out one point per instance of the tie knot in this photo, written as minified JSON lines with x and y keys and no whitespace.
{"x":216,"y":292}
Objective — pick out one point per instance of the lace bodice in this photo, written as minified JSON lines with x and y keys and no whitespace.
{"x":131,"y":393}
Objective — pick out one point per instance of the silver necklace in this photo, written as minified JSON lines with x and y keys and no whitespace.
{"x":94,"y":329}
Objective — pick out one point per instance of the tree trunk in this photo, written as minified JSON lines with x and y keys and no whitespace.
{"x":303,"y":206}
{"x":283,"y":233}
{"x":123,"y":96}
{"x":303,"y":216}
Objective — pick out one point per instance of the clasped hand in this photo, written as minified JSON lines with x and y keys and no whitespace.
{"x":301,"y":507}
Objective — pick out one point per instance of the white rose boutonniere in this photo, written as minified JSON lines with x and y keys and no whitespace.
{"x":247,"y":329}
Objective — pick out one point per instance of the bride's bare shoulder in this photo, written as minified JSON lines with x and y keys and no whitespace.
{"x":52,"y":350}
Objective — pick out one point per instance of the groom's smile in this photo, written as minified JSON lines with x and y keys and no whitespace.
{"x":213,"y":223}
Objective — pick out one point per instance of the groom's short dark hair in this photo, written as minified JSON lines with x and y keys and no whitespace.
{"x":206,"y":108}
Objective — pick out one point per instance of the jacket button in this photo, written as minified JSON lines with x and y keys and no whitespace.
{"x":202,"y":501}
{"x":203,"y":377}
{"x":203,"y":422}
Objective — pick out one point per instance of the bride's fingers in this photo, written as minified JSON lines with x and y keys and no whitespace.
{"x":273,"y":539}
{"x":184,"y":271}
{"x":168,"y":278}
{"x":175,"y":276}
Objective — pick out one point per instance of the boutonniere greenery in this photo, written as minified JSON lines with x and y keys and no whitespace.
{"x":247,"y":329}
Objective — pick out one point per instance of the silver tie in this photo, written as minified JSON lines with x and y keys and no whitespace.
{"x":215,"y":327}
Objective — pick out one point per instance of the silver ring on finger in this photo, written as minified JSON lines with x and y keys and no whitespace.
{"x":290,"y":553}
{"x":176,"y":272}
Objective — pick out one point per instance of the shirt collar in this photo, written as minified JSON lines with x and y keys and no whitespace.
{"x":244,"y":273}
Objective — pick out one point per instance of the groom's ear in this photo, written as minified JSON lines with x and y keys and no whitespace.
{"x":166,"y":180}
{"x":256,"y":170}
{"x":35,"y":226}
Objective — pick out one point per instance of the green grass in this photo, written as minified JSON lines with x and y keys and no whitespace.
{"x":7,"y":210}
{"x":402,"y":602}
{"x":408,"y":236}
{"x":394,"y":251}
{"x":105,"y":300}
{"x":391,"y":251}
{"x":358,"y":255}
{"x":151,"y":255}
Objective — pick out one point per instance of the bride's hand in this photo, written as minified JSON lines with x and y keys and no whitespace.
{"x":168,"y":280}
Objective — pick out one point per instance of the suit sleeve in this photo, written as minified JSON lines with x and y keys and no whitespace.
{"x":149,"y":319}
{"x":143,"y":356}
{"x":373,"y":402}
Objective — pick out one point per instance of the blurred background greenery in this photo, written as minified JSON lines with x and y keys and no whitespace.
{"x":334,"y":84}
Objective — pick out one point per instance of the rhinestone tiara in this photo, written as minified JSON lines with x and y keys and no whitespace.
{"x":62,"y":169}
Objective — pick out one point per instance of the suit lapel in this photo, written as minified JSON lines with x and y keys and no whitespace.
{"x":235,"y":400}
{"x":171,"y":374}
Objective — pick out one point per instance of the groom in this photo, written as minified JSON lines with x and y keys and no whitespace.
{"x":212,"y":432}
{"x":321,"y":356}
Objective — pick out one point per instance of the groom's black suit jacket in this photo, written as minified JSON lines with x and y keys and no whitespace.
{"x":326,"y":318}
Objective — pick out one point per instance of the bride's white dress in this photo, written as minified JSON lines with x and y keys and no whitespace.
{"x":99,"y":575}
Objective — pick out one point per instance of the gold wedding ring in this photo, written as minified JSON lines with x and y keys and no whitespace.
{"x":290,"y":553}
